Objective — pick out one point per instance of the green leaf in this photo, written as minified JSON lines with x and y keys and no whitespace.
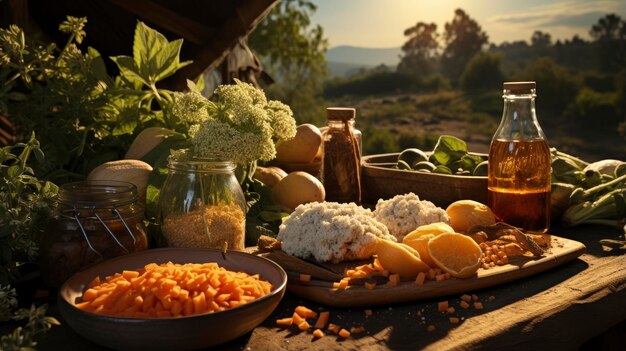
{"x":129,"y":70}
{"x":97,"y":68}
{"x":449,"y":149}
{"x":154,"y":56}
{"x":14,"y":171}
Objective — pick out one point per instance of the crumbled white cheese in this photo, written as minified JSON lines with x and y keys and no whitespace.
{"x":403,"y":213}
{"x":331,"y":232}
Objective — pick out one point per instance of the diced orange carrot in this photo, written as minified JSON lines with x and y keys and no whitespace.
{"x":305,"y":312}
{"x":297,"y":319}
{"x":440,"y":277}
{"x":151,"y":291}
{"x":304,"y":325}
{"x":333,"y":328}
{"x":336,"y":285}
{"x":305,"y":277}
{"x":343,"y":284}
{"x":370,"y":286}
{"x":431,"y":328}
{"x":431,"y":274}
{"x":128,"y":275}
{"x":466,"y":298}
{"x":478,"y":305}
{"x":90,"y":294}
{"x":394,"y":278}
{"x":344,"y":333}
{"x":442,"y":306}
{"x":368,"y":312}
{"x":454,"y":320}
{"x":318,"y":334}
{"x":357,"y":330}
{"x":94,"y":282}
{"x":322,"y":320}
{"x":284,"y":322}
{"x":474,"y":297}
{"x":464,"y":304}
{"x":421,"y":277}
{"x":450,"y":310}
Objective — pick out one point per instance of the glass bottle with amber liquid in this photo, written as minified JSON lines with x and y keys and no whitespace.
{"x":520,"y":163}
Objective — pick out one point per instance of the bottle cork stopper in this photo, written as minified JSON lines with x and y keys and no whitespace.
{"x":340,"y":113}
{"x":519,"y":87}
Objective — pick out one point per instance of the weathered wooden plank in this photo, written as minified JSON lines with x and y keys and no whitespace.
{"x":561,"y":317}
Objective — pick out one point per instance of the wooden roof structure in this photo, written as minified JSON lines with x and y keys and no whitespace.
{"x":214,"y":33}
{"x":210,"y":29}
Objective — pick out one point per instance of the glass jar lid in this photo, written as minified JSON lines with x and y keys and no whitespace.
{"x":340,"y":113}
{"x":200,"y":165}
{"x":98,"y":194}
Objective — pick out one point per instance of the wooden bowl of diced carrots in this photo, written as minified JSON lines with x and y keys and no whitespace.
{"x":171,"y":299}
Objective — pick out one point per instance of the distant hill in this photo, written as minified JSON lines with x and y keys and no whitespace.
{"x":364,"y":56}
{"x":343,"y":69}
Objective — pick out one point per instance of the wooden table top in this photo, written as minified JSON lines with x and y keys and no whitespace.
{"x":557,"y":309}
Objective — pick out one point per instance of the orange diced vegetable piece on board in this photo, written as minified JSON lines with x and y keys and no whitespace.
{"x":284,"y":322}
{"x":305,"y":277}
{"x":322,"y":320}
{"x":442,"y":306}
{"x":357,"y":330}
{"x":318,"y":334}
{"x":297,"y":319}
{"x":304,"y":325}
{"x":305,"y":312}
{"x":334,"y":328}
{"x":421,"y":277}
{"x":370,"y":286}
{"x":344,"y":333}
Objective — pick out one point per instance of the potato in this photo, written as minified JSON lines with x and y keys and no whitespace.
{"x":298,"y":188}
{"x":269,"y":176}
{"x":302,"y":148}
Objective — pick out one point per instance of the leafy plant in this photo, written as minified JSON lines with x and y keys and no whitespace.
{"x":25,"y":207}
{"x":22,"y":338}
{"x":83,"y":116}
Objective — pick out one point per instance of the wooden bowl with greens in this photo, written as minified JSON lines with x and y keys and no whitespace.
{"x":444,"y":175}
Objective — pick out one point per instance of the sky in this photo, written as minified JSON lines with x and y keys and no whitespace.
{"x":381,"y":23}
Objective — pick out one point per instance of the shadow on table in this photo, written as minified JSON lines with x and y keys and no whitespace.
{"x":590,"y":235}
{"x":399,"y":326}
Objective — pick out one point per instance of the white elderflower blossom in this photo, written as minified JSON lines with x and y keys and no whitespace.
{"x":220,"y":141}
{"x":241,"y":125}
{"x":281,"y":119}
{"x":189,"y":108}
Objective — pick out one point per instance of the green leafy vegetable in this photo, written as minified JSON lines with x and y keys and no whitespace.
{"x":449,"y":149}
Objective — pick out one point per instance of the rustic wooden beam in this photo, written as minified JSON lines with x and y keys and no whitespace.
{"x":186,"y":28}
{"x":244,"y":19}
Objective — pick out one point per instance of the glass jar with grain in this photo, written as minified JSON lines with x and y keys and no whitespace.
{"x":202,"y":205}
{"x":94,"y":221}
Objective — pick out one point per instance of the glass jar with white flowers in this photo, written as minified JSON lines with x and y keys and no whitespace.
{"x":201,"y":202}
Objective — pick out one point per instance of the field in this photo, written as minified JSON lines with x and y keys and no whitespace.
{"x":392,"y":123}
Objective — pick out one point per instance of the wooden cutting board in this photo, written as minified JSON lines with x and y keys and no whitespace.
{"x":320,"y":290}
